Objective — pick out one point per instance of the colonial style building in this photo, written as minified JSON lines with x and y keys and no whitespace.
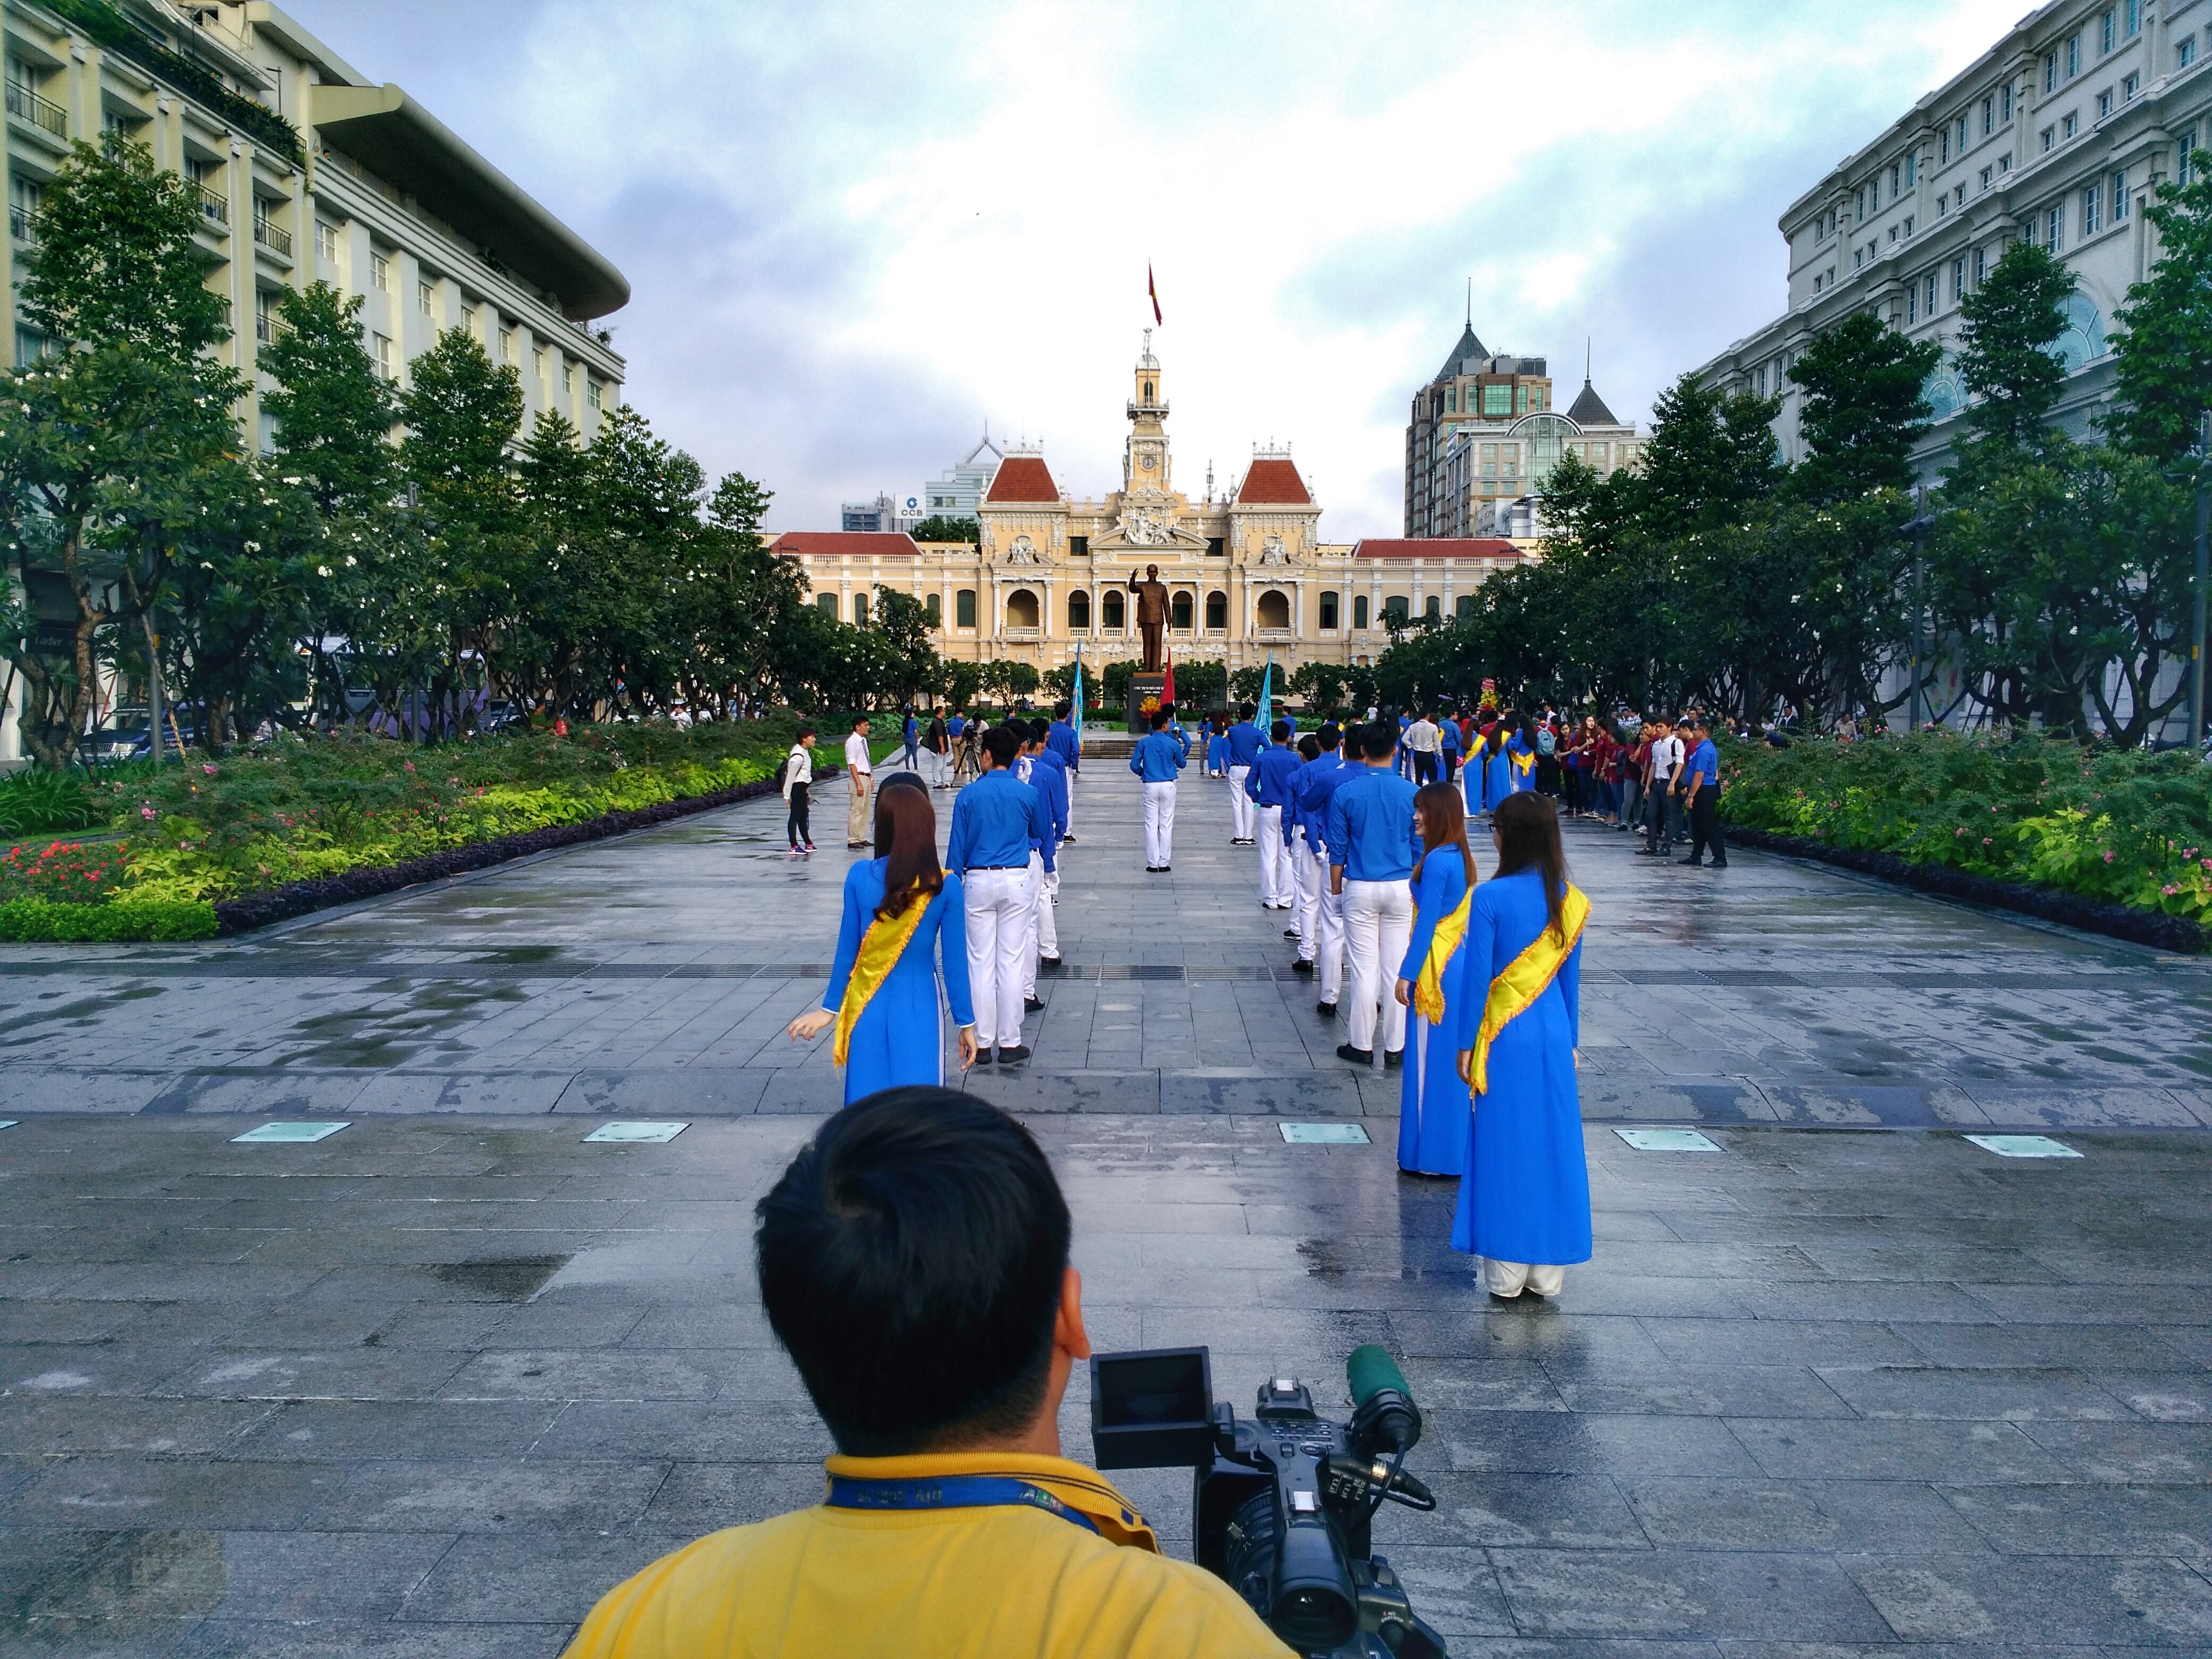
{"x":2058,"y":134}
{"x":1248,"y":576}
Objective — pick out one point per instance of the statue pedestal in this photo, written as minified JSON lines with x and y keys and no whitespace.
{"x":1144,"y":697}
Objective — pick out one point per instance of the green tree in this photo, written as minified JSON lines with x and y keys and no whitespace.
{"x":1202,"y":682}
{"x":911,"y":651}
{"x":1863,"y":411}
{"x":2164,"y":366}
{"x":961,"y":682}
{"x":113,"y":448}
{"x":333,"y":410}
{"x":2004,"y":353}
{"x":1320,"y":685}
{"x":1710,"y":458}
{"x":944,"y":527}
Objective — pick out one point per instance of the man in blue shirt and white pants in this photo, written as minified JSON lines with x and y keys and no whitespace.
{"x":1066,"y":742}
{"x":1244,"y":744}
{"x":1320,"y":912}
{"x":1158,"y":761}
{"x":1372,"y":845}
{"x":1040,"y":768}
{"x":1269,"y":784}
{"x":996,"y":822}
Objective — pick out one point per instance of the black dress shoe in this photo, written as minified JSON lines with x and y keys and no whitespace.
{"x":1357,"y":1057}
{"x":1302,"y":966}
{"x":1165,"y":868}
{"x":1151,"y":869}
{"x":1326,"y":1010}
{"x":1290,"y":932}
{"x":1393,"y":1058}
{"x":1012,"y":1056}
{"x":1692,"y":861}
{"x":982,"y":1055}
{"x":1069,"y":837}
{"x":1719,"y":864}
{"x":1033,"y":1005}
{"x":1048,"y":962}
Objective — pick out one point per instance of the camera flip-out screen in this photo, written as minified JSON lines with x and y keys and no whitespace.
{"x":1152,"y":1409}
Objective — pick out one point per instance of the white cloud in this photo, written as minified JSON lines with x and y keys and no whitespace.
{"x":858,"y":232}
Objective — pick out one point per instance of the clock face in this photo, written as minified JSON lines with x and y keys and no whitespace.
{"x":1147,"y":462}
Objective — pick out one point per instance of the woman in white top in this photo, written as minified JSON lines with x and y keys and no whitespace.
{"x":798,"y":780}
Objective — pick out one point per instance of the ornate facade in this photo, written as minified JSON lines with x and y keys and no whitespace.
{"x":1249,"y":575}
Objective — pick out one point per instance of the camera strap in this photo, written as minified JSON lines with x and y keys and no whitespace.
{"x":950,"y":1492}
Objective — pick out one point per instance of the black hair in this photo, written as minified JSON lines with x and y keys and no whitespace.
{"x":1245,"y":711}
{"x":1159,"y":719}
{"x":911,"y":1262}
{"x":1329,"y":736}
{"x":805,"y":730}
{"x":1310,"y":747}
{"x":1529,"y":839}
{"x":1377,"y":740}
{"x":1062,"y":709}
{"x":1001,"y":743}
{"x":1039,"y":730}
{"x":1281,"y":732}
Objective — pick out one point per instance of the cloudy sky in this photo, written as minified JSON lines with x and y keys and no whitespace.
{"x":855,"y":234}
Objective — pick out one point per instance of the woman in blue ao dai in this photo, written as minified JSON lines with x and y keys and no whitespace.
{"x":1434,"y":1115}
{"x":1498,"y":765}
{"x":896,"y":1033}
{"x":1524,"y":1206}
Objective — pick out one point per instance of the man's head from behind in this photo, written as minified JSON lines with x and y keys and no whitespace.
{"x":913,"y":1262}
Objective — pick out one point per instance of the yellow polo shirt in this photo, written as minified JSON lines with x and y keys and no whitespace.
{"x":931,"y":1583}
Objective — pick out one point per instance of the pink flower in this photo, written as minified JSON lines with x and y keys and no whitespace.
{"x":145,"y":811}
{"x":2108,"y":858}
{"x":1986,"y":840}
{"x":409,"y":766}
{"x":2169,"y":889}
{"x":207,"y":768}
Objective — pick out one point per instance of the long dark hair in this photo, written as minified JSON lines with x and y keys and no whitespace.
{"x":906,"y":838}
{"x":1503,"y":730}
{"x":1443,"y":823}
{"x":1529,"y":839}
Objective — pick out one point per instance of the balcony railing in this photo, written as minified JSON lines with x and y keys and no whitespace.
{"x":25,"y":104}
{"x":214,"y":209}
{"x":275,"y":237}
{"x":19,"y":224}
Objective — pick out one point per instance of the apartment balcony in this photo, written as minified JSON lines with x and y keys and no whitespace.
{"x":19,"y":224}
{"x":214,"y":211}
{"x":43,"y":114}
{"x":275,"y":237}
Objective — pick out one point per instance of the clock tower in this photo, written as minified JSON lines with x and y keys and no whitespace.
{"x":1145,"y":463}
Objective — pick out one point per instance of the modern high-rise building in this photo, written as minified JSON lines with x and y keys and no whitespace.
{"x":307,"y":169}
{"x":959,"y":491}
{"x":2058,"y":134}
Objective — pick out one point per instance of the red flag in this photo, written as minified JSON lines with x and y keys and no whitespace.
{"x":1152,"y":293}
{"x":1167,"y":686}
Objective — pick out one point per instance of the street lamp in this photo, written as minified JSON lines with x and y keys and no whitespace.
{"x":1923,"y":522}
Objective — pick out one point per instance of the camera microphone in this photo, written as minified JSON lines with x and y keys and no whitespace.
{"x":1384,"y":1416}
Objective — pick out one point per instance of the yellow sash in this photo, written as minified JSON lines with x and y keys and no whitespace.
{"x":1429,"y":988}
{"x":1523,"y":982}
{"x":881,"y":947}
{"x":1525,"y":762}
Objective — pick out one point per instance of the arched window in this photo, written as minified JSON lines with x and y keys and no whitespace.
{"x":1328,"y":611}
{"x":1021,"y":609}
{"x":934,"y":603}
{"x":1397,"y":606}
{"x":860,"y":611}
{"x":1078,"y":612}
{"x":1114,"y":608}
{"x":1274,"y":610}
{"x":1179,"y":610}
{"x":1434,"y":610}
{"x":1463,"y":607}
{"x":1217,"y":611}
{"x":1359,"y":610}
{"x":963,"y":608}
{"x":1148,"y":392}
{"x":826,"y":602}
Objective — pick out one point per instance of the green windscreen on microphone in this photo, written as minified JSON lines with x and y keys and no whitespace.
{"x":1370,"y":1370}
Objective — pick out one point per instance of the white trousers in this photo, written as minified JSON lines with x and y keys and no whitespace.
{"x":1276,"y":885}
{"x":1511,"y":1278}
{"x":1240,"y":804}
{"x":934,"y":763}
{"x":999,"y":903}
{"x":1044,"y":925}
{"x":1159,"y":825}
{"x":1379,"y":923}
{"x":1308,"y":875}
{"x":1329,"y":922}
{"x":1071,"y":804}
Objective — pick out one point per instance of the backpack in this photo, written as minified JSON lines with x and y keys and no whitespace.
{"x":1546,"y":742}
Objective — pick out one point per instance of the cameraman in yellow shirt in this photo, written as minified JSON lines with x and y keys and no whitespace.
{"x":914,"y":1261}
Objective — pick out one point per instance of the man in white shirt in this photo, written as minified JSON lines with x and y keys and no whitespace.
{"x":1666,"y":760}
{"x":1423,"y":737}
{"x":859,"y":832}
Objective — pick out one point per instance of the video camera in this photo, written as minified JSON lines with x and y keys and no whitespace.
{"x":1284,"y":1499}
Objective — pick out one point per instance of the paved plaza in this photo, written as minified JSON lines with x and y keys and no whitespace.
{"x":1848,"y":1385}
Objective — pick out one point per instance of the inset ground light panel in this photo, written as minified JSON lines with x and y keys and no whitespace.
{"x":1668,"y":1140}
{"x":10,"y":1122}
{"x":1324,"y":1135}
{"x":272,"y":1134}
{"x":631,"y":1132}
{"x":2023,"y":1146}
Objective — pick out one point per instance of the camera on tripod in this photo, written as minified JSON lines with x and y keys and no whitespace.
{"x":1284,"y":1499}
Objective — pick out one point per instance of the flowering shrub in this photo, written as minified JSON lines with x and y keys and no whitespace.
{"x":2119,"y":826}
{"x":67,"y":873}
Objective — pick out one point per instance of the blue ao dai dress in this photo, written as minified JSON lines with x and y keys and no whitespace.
{"x":900,"y":1035}
{"x":1526,"y":1195}
{"x":1434,"y":1114}
{"x":1496,"y":778}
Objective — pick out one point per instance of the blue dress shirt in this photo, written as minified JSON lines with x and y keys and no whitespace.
{"x":1270,"y":780}
{"x":1244,"y":743}
{"x":1705,"y":762}
{"x":1370,"y":827}
{"x":1315,"y":782}
{"x":1049,"y":777}
{"x":1062,"y":741}
{"x":997,"y":821}
{"x":1159,"y":757}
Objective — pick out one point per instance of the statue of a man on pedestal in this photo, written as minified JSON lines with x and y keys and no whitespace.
{"x":1152,"y":613}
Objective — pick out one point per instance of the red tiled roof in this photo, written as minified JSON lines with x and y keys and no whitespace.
{"x":1274,"y":483}
{"x":1436,"y":547}
{"x":839,"y":544}
{"x":1023,"y":478}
